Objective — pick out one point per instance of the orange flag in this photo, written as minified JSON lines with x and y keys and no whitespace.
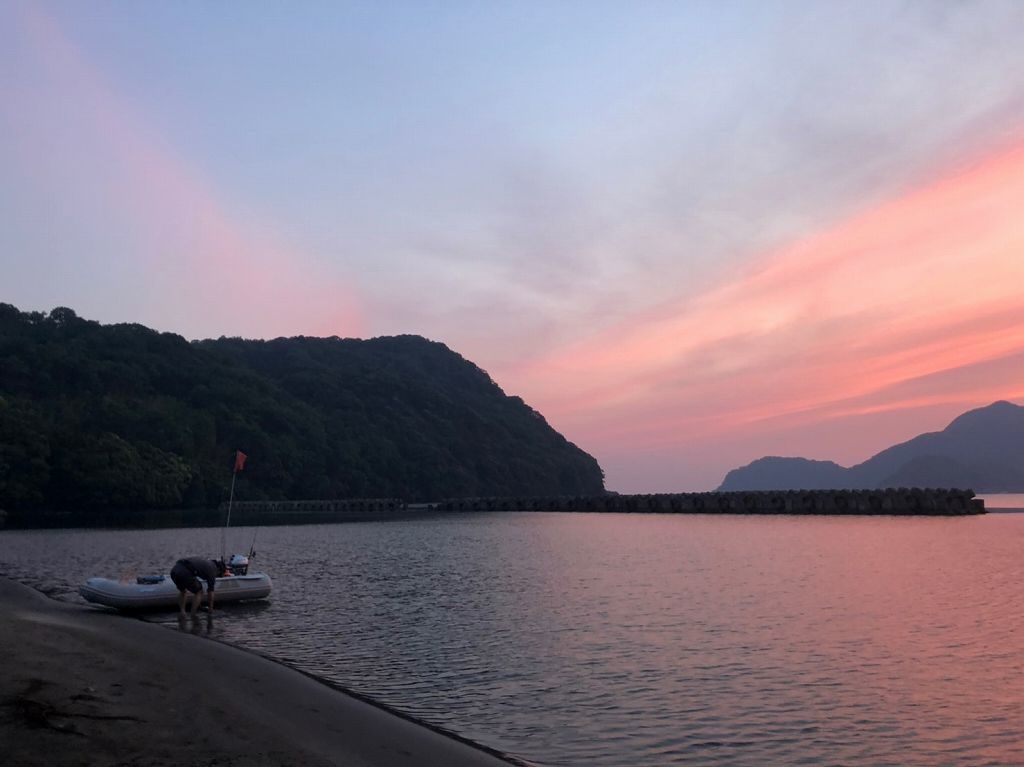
{"x":239,"y":460}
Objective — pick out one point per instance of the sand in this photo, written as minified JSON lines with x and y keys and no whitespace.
{"x":81,"y":686}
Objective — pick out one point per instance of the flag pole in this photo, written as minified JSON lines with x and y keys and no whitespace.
{"x":239,"y":465}
{"x":224,"y":530}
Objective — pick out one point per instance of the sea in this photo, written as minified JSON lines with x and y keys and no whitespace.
{"x":607,"y":640}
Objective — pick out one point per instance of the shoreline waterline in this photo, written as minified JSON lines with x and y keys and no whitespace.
{"x":75,"y":671}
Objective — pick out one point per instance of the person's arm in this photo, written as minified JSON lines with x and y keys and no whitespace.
{"x":210,"y":585}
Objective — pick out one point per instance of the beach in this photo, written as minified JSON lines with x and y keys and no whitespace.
{"x":83,"y":686}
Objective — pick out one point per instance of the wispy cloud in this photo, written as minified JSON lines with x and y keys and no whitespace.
{"x":706,"y":144}
{"x":856,"y":319}
{"x":215,"y":268}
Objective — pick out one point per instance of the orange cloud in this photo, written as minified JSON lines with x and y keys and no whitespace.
{"x":917,"y":287}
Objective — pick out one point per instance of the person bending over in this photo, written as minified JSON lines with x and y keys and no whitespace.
{"x":186,"y":574}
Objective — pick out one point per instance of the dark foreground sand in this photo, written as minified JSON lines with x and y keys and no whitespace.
{"x":80,"y":686}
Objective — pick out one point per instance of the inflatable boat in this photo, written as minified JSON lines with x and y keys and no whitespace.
{"x":150,"y":592}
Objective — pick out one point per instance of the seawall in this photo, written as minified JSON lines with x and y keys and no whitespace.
{"x":903,"y":501}
{"x":896,"y":501}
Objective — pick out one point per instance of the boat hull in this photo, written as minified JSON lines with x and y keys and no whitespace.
{"x":164,"y":594}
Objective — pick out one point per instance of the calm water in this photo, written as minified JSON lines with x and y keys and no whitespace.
{"x":571,"y":639}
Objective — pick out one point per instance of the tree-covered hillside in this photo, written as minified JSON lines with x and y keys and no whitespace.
{"x":120,"y":416}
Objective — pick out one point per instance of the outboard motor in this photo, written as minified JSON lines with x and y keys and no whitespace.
{"x":239,"y":564}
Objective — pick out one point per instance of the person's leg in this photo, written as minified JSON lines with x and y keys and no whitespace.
{"x":197,"y":597}
{"x":182,"y":577}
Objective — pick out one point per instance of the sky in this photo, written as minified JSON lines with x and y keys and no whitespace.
{"x":690,"y":234}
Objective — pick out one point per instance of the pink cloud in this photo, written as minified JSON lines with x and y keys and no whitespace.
{"x":200,"y":256}
{"x":838,"y":325}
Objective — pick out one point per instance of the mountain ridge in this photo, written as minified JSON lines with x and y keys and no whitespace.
{"x":981,"y":449}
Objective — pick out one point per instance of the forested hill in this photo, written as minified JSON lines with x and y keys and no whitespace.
{"x":120,"y":416}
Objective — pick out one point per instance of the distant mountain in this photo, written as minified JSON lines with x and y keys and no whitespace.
{"x":775,"y":473}
{"x":982,"y":449}
{"x":97,"y":417}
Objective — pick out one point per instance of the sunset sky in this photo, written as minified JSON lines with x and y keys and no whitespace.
{"x":689,"y":233}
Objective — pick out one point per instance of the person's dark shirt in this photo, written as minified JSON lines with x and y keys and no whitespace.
{"x":202,"y":568}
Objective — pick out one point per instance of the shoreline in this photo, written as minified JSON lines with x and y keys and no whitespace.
{"x":340,"y":689}
{"x":89,"y":686}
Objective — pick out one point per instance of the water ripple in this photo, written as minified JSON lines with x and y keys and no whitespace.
{"x":608,"y":640}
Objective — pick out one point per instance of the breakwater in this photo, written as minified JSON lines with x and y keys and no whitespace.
{"x":897,"y":501}
{"x":902,"y":501}
{"x":314,"y":511}
{"x":908,"y":501}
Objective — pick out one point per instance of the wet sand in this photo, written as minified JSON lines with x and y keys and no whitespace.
{"x":89,"y":687}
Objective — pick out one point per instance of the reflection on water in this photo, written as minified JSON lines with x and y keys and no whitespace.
{"x":574,"y":639}
{"x":201,"y":624}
